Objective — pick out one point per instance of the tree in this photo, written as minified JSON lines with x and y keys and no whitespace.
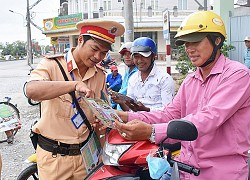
{"x":19,"y":49}
{"x":8,"y":49}
{"x":1,"y":45}
{"x":16,"y":49}
{"x":184,"y":65}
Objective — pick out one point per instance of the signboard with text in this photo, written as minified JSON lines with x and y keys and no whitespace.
{"x":61,"y":22}
{"x":63,"y":40}
{"x":166,"y":25}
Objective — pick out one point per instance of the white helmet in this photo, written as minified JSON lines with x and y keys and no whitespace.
{"x":125,"y":47}
{"x":247,"y":38}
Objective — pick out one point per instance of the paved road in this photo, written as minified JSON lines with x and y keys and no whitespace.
{"x":13,"y":74}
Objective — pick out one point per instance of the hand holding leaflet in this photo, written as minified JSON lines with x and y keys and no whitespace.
{"x":131,"y":103}
{"x":103,"y":111}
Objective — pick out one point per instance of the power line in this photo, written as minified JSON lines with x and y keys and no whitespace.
{"x":29,"y":42}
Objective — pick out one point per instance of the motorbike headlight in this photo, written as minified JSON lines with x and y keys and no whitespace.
{"x":112,"y":153}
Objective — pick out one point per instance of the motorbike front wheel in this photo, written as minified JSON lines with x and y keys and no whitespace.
{"x":29,"y":173}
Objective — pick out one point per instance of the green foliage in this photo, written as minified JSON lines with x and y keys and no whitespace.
{"x":16,"y":49}
{"x":184,"y":65}
{"x":226,"y":48}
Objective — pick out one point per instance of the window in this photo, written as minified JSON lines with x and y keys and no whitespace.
{"x":85,"y":6}
{"x":109,"y":5}
{"x":95,"y":5}
{"x":95,"y":15}
{"x":106,"y":5}
{"x":143,"y":4}
{"x":85,"y":15}
{"x":182,"y":4}
{"x":154,"y":4}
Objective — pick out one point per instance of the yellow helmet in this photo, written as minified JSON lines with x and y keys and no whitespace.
{"x":201,"y":22}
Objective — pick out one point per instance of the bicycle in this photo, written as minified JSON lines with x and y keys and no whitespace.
{"x":30,"y":101}
{"x":8,"y":114}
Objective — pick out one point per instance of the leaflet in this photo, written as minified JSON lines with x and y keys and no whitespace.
{"x":103,"y":111}
{"x":7,"y":120}
{"x":91,"y":152}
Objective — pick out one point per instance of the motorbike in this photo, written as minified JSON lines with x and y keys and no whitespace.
{"x":31,"y":171}
{"x":107,"y":63}
{"x":124,"y":159}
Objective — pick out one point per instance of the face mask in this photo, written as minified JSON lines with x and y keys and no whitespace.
{"x":157,"y":166}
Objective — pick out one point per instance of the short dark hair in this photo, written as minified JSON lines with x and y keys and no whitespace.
{"x":88,"y":37}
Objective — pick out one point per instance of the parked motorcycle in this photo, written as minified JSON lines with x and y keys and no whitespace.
{"x":107,"y":63}
{"x":124,"y":159}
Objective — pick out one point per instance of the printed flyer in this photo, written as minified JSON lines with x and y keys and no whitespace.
{"x":91,"y":152}
{"x":7,"y":119}
{"x":103,"y":111}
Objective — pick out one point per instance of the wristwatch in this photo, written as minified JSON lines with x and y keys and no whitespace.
{"x":152,"y":136}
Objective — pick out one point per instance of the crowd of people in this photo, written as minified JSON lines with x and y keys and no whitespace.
{"x":215,"y":98}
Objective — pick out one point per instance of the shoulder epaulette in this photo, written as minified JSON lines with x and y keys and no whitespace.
{"x":54,"y":56}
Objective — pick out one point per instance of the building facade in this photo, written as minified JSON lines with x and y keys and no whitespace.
{"x":147,"y":18}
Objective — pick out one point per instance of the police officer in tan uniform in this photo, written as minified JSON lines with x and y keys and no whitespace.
{"x":57,"y":126}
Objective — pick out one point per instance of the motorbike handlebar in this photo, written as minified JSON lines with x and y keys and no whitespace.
{"x":185,"y":167}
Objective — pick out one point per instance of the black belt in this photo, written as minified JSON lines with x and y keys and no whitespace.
{"x":57,"y":147}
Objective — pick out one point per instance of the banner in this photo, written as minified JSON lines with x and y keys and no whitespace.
{"x":61,"y":22}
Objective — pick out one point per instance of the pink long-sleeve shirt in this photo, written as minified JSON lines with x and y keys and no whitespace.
{"x":220,"y":109}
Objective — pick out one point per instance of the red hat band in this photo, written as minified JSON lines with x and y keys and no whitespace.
{"x":98,"y":31}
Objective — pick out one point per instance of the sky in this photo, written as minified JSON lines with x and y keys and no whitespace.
{"x":13,"y":24}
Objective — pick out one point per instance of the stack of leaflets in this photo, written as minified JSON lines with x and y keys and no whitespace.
{"x":103,"y":111}
{"x":7,"y":119}
{"x":91,"y":152}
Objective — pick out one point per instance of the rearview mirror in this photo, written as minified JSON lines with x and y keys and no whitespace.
{"x":182,"y":130}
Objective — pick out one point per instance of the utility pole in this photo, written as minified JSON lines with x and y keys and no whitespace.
{"x":129,"y":20}
{"x":205,"y":5}
{"x":29,"y":42}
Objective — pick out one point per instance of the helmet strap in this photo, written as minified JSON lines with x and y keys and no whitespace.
{"x":152,"y":62}
{"x":212,"y":39}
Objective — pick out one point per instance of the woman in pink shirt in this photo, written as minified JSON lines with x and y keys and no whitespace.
{"x":216,"y":98}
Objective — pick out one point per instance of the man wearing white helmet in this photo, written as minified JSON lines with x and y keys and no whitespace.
{"x":128,"y":61}
{"x":215,"y":98}
{"x":247,"y":52}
